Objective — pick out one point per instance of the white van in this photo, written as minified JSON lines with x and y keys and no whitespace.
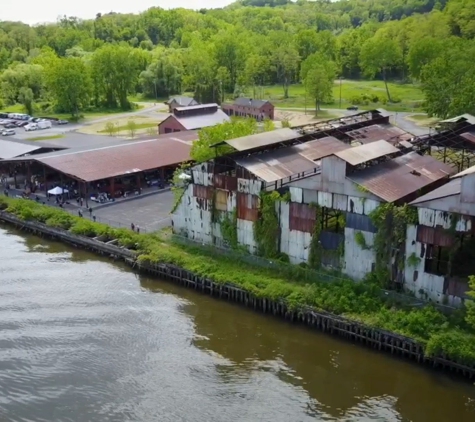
{"x":31,"y":126}
{"x":44,"y":124}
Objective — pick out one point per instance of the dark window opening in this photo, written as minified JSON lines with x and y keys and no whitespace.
{"x":332,"y":220}
{"x":437,"y":260}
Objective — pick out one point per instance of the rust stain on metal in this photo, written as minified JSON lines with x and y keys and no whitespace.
{"x":315,"y":150}
{"x":302,"y":217}
{"x":203,"y":192}
{"x":117,"y":160}
{"x":222,"y":181}
{"x":263,"y":139}
{"x":397,"y":178}
{"x":247,"y":206}
{"x":434,"y":236}
{"x":373,"y":133}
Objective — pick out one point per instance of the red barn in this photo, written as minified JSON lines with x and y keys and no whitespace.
{"x":193,"y":118}
{"x":247,"y":107}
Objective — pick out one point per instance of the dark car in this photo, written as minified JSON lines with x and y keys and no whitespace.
{"x":10,"y":126}
{"x":21,"y":124}
{"x":352,"y":108}
{"x":62,"y":122}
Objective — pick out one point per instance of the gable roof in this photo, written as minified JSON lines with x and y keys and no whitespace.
{"x":366,"y":152}
{"x":182,"y":101}
{"x":201,"y":120}
{"x":402,"y":176}
{"x":249,"y":102}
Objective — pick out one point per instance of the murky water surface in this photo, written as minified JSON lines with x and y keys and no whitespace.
{"x":83,"y":339}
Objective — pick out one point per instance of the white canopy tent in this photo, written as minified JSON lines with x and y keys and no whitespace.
{"x":57,"y":191}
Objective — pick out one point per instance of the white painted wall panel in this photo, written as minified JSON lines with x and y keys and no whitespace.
{"x":284,"y":214}
{"x":231,"y":201}
{"x":255,"y":187}
{"x":325,"y":199}
{"x":355,"y":204}
{"x":310,"y":196}
{"x":243,"y":185}
{"x":443,"y":219}
{"x":296,"y":195}
{"x":369,"y":205}
{"x":340,"y":202}
{"x":426,"y":217}
{"x":358,"y":261}
{"x":463,"y":225}
{"x":198,"y":176}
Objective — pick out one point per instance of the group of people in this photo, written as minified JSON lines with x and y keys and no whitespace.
{"x":80,"y":213}
{"x":134,"y":228}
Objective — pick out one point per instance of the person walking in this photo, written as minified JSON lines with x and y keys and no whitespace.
{"x":138,"y":229}
{"x":90,"y":211}
{"x":132,"y":227}
{"x":94,"y":218}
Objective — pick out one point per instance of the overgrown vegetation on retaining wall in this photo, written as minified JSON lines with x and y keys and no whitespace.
{"x":450,"y":337}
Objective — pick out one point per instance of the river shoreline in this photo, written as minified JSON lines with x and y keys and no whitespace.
{"x":332,"y":324}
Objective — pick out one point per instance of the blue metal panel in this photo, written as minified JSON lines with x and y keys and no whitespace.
{"x":360,"y":222}
{"x":331,"y":241}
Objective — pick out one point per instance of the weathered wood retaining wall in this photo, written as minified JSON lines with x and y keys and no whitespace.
{"x":332,"y":324}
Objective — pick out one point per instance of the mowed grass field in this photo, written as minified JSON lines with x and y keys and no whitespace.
{"x":409,"y":96}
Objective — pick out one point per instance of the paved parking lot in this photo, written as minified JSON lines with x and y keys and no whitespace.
{"x":150,"y":212}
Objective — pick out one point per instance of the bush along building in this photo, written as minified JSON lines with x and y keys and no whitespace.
{"x":347,"y":194}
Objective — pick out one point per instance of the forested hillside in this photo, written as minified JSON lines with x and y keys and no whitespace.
{"x":75,"y":65}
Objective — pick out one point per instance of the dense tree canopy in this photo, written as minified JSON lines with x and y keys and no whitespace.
{"x":248,"y":44}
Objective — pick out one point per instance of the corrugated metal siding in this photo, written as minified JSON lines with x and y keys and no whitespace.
{"x":301,"y":217}
{"x":331,"y":241}
{"x":247,"y":207}
{"x":202,"y":192}
{"x":457,"y":287}
{"x":340,"y":202}
{"x":426,"y":217}
{"x":358,"y":261}
{"x":467,"y":194}
{"x":310,"y":196}
{"x":284,"y":212}
{"x":433,"y":236}
{"x":333,"y":171}
{"x":299,"y":243}
{"x":245,"y":234}
{"x":296,"y":195}
{"x":249,"y":186}
{"x":360,"y":222}
{"x":355,"y":204}
{"x":225,"y":182}
{"x":221,"y":203}
{"x":369,"y":206}
{"x":325,"y":199}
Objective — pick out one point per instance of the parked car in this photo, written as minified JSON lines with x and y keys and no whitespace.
{"x":8,"y":132}
{"x":21,"y":124}
{"x":352,"y":108}
{"x":44,"y":124}
{"x":10,"y":126}
{"x":31,"y":126}
{"x":62,"y":122}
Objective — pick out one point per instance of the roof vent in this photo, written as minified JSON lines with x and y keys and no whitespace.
{"x":415,"y":173}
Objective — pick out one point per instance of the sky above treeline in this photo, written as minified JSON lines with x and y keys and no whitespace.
{"x":40,"y":11}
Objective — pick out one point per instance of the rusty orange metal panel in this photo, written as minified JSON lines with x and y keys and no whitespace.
{"x":247,"y":206}
{"x":457,"y":287}
{"x":433,"y":236}
{"x":222,"y":181}
{"x":301,"y":217}
{"x":203,"y":192}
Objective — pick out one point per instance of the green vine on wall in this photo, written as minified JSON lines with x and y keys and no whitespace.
{"x":267,"y":228}
{"x":315,"y":252}
{"x":361,"y":241}
{"x":391,"y":223}
{"x":229,"y":228}
{"x":413,"y":260}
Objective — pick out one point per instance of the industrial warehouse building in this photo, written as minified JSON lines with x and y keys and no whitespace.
{"x":348,"y":167}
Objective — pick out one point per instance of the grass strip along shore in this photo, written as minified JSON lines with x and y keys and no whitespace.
{"x":441,"y":335}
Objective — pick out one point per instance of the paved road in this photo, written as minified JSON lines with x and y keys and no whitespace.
{"x":151,"y":212}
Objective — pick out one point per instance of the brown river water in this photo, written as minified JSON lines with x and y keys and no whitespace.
{"x":85,"y":339}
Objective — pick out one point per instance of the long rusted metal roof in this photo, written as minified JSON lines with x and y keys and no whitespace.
{"x":366,"y":152}
{"x":263,"y":139}
{"x":386,"y":132}
{"x":285,"y":162}
{"x":402,"y":176}
{"x":117,"y":160}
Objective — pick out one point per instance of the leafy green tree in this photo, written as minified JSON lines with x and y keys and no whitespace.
{"x":380,"y":55}
{"x":203,"y":149}
{"x":111,"y":128}
{"x":25,"y":98}
{"x":285,"y":60}
{"x":69,"y":83}
{"x":319,"y":84}
{"x":470,"y":304}
{"x":132,"y":128}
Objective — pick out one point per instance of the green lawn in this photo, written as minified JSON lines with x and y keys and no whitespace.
{"x":46,"y":137}
{"x":93,"y":114}
{"x":410,"y":95}
{"x":138,"y":126}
